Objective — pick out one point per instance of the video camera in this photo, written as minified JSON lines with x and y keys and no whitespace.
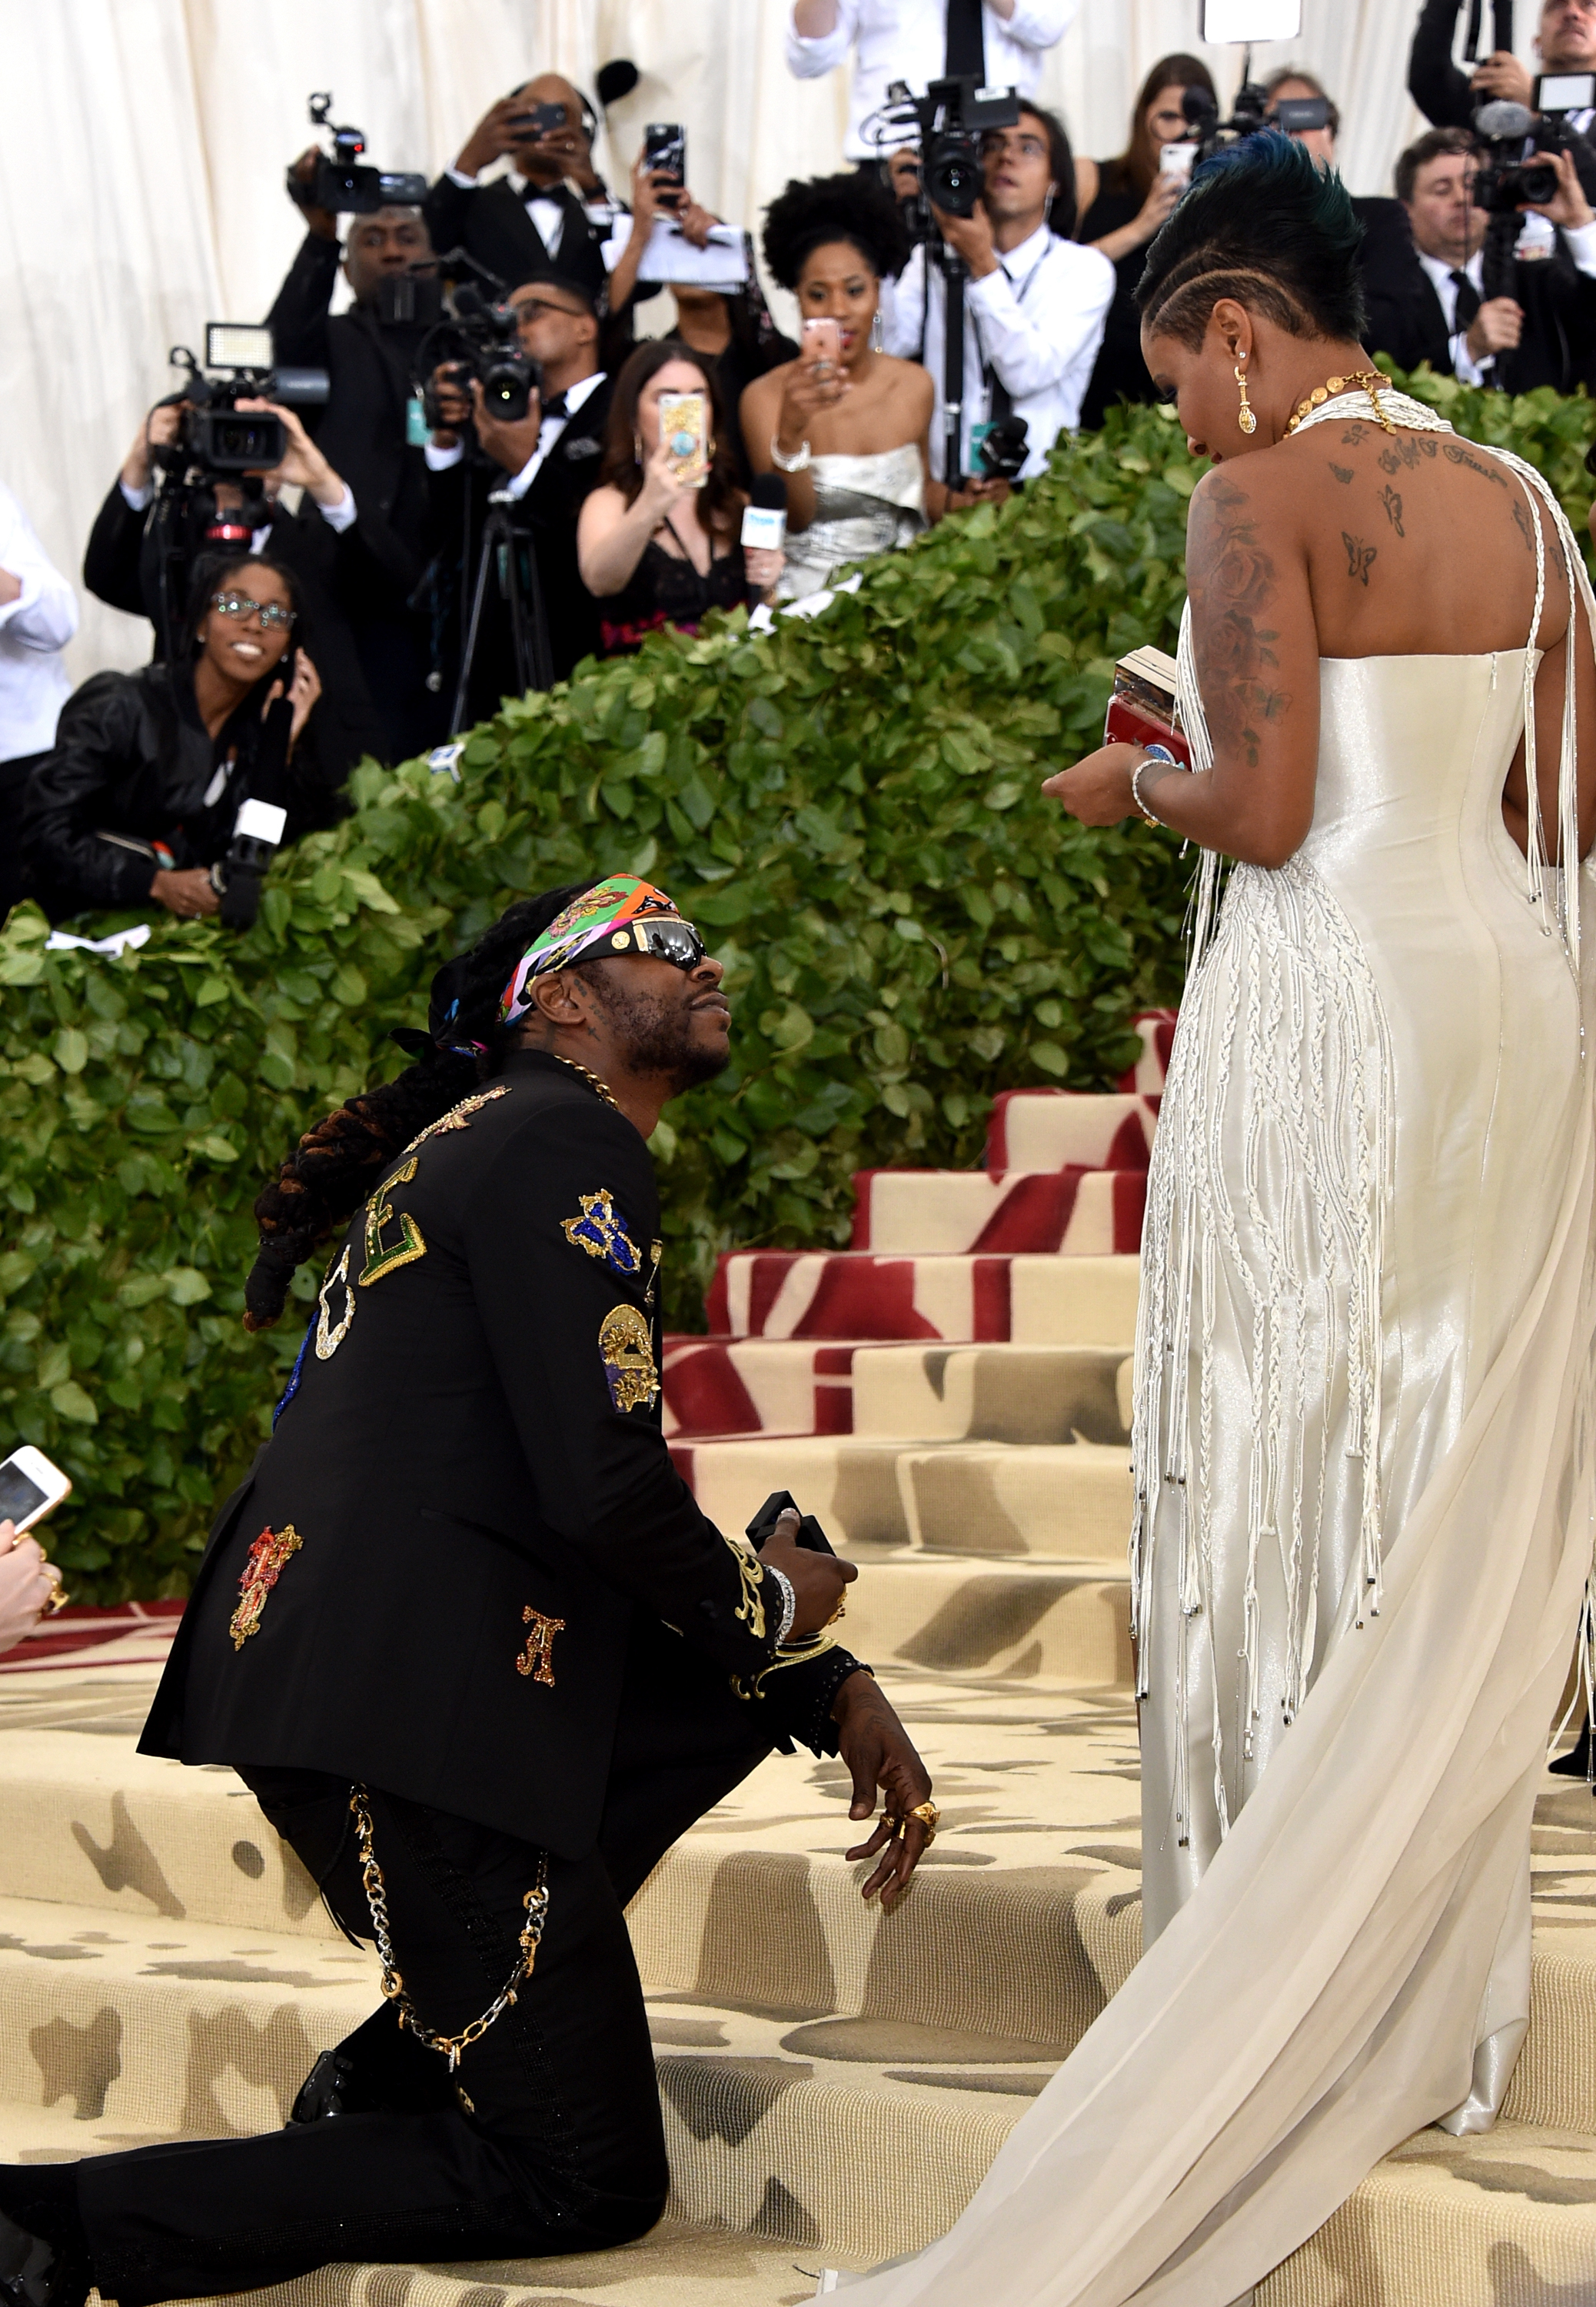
{"x":1507,"y":180}
{"x":482,"y":340}
{"x":341,"y":185}
{"x":1294,"y":115}
{"x":218,"y":436}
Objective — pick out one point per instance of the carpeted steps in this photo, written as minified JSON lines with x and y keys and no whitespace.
{"x":957,"y":1417}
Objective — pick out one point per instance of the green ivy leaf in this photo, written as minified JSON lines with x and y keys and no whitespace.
{"x":69,"y":1400}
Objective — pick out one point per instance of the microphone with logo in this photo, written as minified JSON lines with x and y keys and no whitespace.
{"x":764,"y":522}
{"x":262,"y":821}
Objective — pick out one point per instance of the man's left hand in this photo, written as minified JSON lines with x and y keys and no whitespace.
{"x":970,"y":237}
{"x":1569,"y":208}
{"x":304,"y":466}
{"x":880,"y":1753}
{"x":511,"y":443}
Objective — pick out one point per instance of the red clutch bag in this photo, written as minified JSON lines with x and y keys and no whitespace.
{"x":1142,"y":708}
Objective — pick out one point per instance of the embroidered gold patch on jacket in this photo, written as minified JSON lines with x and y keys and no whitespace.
{"x":600,"y":1231}
{"x":330,"y":1335}
{"x":751,"y":1571}
{"x":537,"y":1658}
{"x":628,"y":1357}
{"x":384,"y":1258}
{"x":458,"y":1117}
{"x":263,"y":1566}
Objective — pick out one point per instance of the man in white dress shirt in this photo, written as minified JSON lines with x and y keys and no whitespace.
{"x":1001,"y":42}
{"x":39,"y":615}
{"x":1034,"y":304}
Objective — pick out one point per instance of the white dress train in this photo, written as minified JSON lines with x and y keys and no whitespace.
{"x":1363,"y":1444}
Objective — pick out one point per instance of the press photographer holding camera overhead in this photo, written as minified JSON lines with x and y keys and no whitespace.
{"x":366,"y":430}
{"x":519,"y":399}
{"x":1033,"y":306}
{"x":917,"y":41}
{"x":553,"y":213}
{"x":180,"y":782}
{"x":208,"y":475}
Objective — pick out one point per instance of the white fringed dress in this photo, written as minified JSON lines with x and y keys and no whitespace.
{"x":1363,"y":1452}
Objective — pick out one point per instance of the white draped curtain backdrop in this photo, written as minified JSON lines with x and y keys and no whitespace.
{"x":142,"y":144}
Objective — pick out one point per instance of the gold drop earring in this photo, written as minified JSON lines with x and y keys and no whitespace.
{"x":1246,"y":420}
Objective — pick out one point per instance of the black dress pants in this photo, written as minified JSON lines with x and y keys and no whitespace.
{"x":548,"y":2139}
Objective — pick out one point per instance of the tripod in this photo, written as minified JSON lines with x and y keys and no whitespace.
{"x":504,"y":554}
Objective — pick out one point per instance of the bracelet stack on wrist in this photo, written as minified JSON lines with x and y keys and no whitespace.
{"x":789,"y":1600}
{"x":1153,"y":753}
{"x":785,"y":464}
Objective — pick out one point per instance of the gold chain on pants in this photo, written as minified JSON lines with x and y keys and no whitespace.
{"x":449,"y":2046}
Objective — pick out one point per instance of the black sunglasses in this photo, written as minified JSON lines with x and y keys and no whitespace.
{"x":666,"y":939}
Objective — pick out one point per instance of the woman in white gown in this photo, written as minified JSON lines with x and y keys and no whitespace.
{"x":1362,"y":1438}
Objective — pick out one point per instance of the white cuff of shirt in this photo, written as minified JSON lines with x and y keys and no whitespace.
{"x":523,"y":479}
{"x":1580,"y":240}
{"x":135,"y":500}
{"x":340,"y":516}
{"x":440,"y":459}
{"x":466,"y":184}
{"x":1464,"y":366}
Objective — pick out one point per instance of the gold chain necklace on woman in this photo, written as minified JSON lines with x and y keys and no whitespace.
{"x":599,"y":1088}
{"x":1369,"y":378}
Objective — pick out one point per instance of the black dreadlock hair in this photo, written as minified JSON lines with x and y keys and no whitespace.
{"x":809,"y":214}
{"x":328,"y":1175}
{"x":1262,"y":224}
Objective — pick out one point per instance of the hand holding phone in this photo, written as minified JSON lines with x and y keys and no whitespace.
{"x":684,"y":435}
{"x":822,"y":346}
{"x":665,"y":158}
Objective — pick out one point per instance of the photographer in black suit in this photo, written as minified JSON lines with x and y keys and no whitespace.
{"x":1427,"y":301}
{"x":553,"y":213}
{"x":545,"y":465}
{"x":479,"y":1654}
{"x":366,"y":431}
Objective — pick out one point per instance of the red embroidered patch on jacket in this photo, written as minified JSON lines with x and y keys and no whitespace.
{"x":263,"y":1566}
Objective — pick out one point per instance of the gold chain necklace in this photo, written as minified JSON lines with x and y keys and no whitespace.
{"x":599,"y":1088}
{"x":1369,"y":378}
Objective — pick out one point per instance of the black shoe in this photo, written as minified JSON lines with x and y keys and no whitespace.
{"x":34,"y":2273}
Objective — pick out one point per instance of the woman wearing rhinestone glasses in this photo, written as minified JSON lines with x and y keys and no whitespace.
{"x":140,"y":797}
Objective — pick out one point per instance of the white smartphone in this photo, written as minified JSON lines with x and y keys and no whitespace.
{"x":31,"y":1488}
{"x":1177,"y":159}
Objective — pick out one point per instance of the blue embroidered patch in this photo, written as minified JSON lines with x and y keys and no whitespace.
{"x":601,"y":1233}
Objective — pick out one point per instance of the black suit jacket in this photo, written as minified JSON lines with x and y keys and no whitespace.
{"x":487,"y":1512}
{"x":547,"y":515}
{"x":491,"y":222}
{"x":1405,"y":319}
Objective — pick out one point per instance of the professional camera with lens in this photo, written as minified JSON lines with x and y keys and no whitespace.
{"x":1294,"y":115}
{"x":341,"y":185}
{"x":218,"y":436}
{"x":480,"y":341}
{"x":950,"y":119}
{"x":1507,"y":180}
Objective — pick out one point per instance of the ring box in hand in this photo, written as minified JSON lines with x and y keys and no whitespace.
{"x":1141,"y":706}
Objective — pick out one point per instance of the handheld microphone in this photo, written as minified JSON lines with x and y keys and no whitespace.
{"x":764,"y":521}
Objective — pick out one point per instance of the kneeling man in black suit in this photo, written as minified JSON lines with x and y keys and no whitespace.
{"x":475,"y":1649}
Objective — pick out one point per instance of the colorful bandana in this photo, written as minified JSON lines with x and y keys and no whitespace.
{"x":598,"y":917}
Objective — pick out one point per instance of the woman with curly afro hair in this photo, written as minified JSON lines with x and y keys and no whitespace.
{"x":846,"y":424}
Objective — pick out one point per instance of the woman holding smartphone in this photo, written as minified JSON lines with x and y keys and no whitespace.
{"x":1122,"y":203}
{"x":658,"y":540}
{"x":846,"y":424}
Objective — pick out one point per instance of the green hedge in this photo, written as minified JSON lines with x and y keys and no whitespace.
{"x":850,"y":806}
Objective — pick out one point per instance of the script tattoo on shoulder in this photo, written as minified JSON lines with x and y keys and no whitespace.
{"x":1458,"y":453}
{"x":1360,"y":558}
{"x":1521,"y":521}
{"x":1236,"y":583}
{"x":1405,"y":449}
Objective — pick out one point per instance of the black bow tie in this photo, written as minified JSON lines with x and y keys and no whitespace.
{"x":556,"y":407}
